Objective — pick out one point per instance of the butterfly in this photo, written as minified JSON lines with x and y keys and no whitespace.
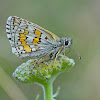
{"x":30,"y":40}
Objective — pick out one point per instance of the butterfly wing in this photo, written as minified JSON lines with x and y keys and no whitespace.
{"x":28,"y":39}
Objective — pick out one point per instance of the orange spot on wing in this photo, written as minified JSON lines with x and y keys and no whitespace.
{"x":36,"y":40}
{"x":23,"y":43}
{"x":26,"y":32}
{"x":38,"y":33}
{"x":27,"y":48}
{"x":22,"y":37}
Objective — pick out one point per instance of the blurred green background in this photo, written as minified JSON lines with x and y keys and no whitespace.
{"x":78,"y":19}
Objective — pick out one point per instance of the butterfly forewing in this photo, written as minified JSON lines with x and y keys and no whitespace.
{"x":28,"y":39}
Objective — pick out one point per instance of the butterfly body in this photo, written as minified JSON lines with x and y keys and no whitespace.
{"x":30,"y":40}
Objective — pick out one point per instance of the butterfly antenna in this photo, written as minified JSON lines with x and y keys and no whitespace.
{"x":77,"y":53}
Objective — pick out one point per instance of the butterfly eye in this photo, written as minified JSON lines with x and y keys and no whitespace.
{"x":66,"y":42}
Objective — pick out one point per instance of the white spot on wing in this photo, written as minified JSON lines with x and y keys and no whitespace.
{"x":23,"y":51}
{"x":18,"y":43}
{"x":13,"y":34}
{"x":16,"y":38}
{"x":15,"y":28}
{"x":9,"y":18}
{"x":31,"y":28}
{"x":33,"y":49}
{"x":20,"y":30}
{"x":16,"y":24}
{"x":32,"y":46}
{"x":7,"y":26}
{"x":29,"y":38}
{"x":11,"y":23}
{"x":14,"y":50}
{"x":43,"y":36}
{"x":9,"y":35}
{"x":8,"y":22}
{"x":25,"y":55}
{"x":41,"y":48}
{"x":7,"y":30}
{"x":21,"y":47}
{"x":22,"y":25}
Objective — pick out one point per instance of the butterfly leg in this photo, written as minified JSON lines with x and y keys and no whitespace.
{"x":35,"y":62}
{"x":58,"y":54}
{"x":64,"y":51}
{"x":43,"y":58}
{"x":65,"y":55}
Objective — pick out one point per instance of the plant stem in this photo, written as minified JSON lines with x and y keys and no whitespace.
{"x":48,"y":88}
{"x":48,"y":91}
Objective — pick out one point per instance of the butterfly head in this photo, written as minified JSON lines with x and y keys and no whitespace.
{"x":66,"y":42}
